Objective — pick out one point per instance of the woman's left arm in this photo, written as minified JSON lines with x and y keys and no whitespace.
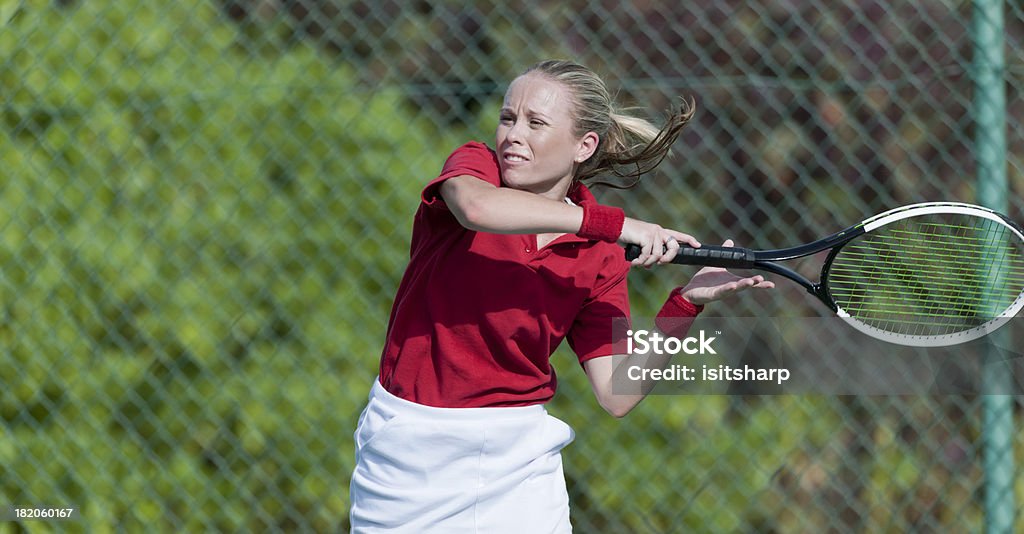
{"x":708,"y":285}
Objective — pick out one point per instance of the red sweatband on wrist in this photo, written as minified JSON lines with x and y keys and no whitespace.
{"x":677,"y":314}
{"x":603,"y":223}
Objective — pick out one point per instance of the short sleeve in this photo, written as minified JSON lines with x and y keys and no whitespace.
{"x":471,"y":159}
{"x":604,"y":316}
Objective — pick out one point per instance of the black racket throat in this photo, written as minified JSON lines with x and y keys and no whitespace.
{"x":745,"y":258}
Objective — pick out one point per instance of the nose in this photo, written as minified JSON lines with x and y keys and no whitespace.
{"x":515,"y":133}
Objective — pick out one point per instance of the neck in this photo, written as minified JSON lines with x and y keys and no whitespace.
{"x":559,"y":191}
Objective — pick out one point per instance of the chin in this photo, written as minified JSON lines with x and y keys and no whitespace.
{"x":514,"y":179}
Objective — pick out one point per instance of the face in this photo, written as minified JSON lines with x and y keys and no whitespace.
{"x":536,"y":144}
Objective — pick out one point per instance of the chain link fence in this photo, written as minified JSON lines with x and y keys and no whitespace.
{"x":205,"y":209}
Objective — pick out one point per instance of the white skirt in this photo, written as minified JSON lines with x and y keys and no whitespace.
{"x":481,"y":470}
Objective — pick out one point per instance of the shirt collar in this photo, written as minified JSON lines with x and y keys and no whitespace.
{"x":579,"y":193}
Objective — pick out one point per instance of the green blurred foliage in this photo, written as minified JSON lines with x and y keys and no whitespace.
{"x":186,"y":264}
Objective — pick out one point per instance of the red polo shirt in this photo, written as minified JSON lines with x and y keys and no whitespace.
{"x":478,"y":315}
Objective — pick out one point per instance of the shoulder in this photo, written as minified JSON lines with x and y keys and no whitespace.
{"x":473,"y":158}
{"x":475,"y":146}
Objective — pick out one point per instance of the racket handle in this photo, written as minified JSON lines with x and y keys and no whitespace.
{"x":711,"y":255}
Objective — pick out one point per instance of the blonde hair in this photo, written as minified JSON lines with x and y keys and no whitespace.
{"x":629,"y":146}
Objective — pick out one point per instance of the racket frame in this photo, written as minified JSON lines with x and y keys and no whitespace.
{"x":941,"y":340}
{"x":765,"y":260}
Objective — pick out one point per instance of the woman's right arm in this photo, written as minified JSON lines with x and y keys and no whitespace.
{"x":483,"y":207}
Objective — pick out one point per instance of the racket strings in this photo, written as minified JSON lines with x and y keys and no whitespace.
{"x":929,"y":275}
{"x":916,"y":305}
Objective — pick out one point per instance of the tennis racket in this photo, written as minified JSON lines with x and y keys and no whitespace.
{"x":926,"y":275}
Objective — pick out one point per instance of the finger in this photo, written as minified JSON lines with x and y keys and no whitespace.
{"x":649,"y":257}
{"x":645,"y":253}
{"x":671,"y":250}
{"x":736,"y":286}
{"x":743,"y":284}
{"x":652,"y":259}
{"x":728,"y":243}
{"x":686,"y":239}
{"x":759,"y":282}
{"x":659,"y":247}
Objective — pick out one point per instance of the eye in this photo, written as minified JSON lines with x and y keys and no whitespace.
{"x":537,"y":122}
{"x":506,"y":117}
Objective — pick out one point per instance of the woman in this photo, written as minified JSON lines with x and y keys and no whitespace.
{"x":510,"y":255}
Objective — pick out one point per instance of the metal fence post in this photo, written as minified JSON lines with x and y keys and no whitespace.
{"x":990,"y":145}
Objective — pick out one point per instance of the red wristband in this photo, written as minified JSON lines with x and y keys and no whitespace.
{"x":603,"y":223}
{"x":677,"y":314}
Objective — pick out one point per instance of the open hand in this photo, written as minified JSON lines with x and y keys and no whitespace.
{"x":716,"y":283}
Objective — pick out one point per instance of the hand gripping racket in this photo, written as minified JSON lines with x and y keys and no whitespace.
{"x":926,"y":275}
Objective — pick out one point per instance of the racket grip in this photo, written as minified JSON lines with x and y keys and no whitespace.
{"x":710,"y":255}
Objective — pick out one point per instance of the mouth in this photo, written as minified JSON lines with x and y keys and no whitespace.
{"x":513,"y":158}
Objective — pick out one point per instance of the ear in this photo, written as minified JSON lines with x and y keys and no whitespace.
{"x":586,"y":147}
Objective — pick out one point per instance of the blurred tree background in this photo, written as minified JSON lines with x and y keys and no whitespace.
{"x":205,"y":209}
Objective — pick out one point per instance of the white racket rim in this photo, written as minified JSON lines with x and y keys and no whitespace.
{"x":942,"y":340}
{"x":925,"y":208}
